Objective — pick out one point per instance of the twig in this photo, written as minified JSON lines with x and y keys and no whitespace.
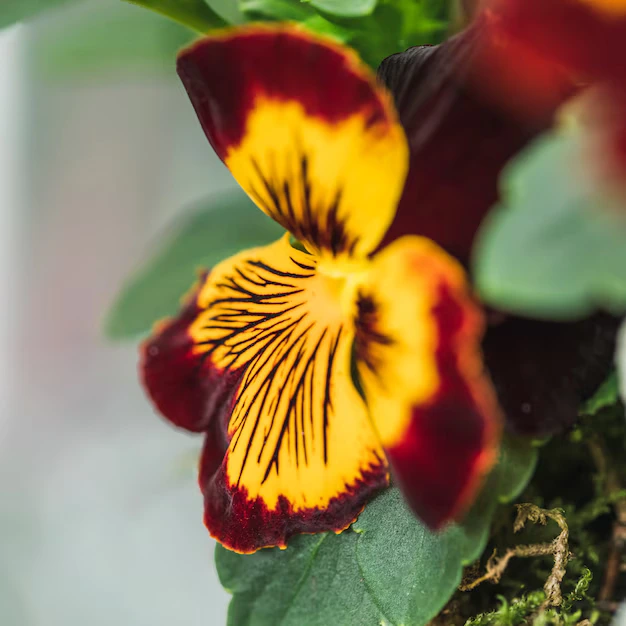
{"x":618,"y":537}
{"x":558,"y":548}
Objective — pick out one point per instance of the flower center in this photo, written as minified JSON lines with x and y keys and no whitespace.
{"x":336,"y":286}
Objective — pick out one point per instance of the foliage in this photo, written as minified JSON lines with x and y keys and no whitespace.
{"x":387,"y":568}
{"x":556,"y":247}
{"x":218,"y":228}
{"x":375,"y":28}
{"x":195,"y":14}
{"x":102,"y":36}
{"x":12,"y":11}
{"x":583,"y":478}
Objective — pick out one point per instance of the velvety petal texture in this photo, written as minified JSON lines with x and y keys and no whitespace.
{"x":544,"y":371}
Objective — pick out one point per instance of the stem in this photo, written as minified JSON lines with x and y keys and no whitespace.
{"x":194,"y":14}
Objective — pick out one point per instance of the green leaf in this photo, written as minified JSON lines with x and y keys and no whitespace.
{"x":223,"y":226}
{"x":345,"y":8}
{"x":12,"y":11}
{"x":107,"y":36}
{"x":387,"y":569}
{"x":607,"y":395}
{"x":556,"y":247}
{"x":228,"y":10}
{"x":293,"y":10}
{"x":195,"y":14}
{"x":314,"y":582}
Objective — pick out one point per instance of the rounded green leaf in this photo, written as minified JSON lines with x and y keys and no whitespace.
{"x":555,"y":248}
{"x":388,"y":569}
{"x":411,"y":571}
{"x":203,"y":237}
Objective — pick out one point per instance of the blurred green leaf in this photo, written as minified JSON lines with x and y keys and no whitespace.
{"x":293,"y":10}
{"x":607,"y":395}
{"x":555,"y":247}
{"x":387,"y":569}
{"x":223,"y":226}
{"x":384,"y":29}
{"x":12,"y":11}
{"x":107,"y":36}
{"x":228,"y":10}
{"x":345,"y":8}
{"x":195,"y":14}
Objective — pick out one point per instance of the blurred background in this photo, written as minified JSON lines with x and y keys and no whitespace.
{"x":100,"y":514}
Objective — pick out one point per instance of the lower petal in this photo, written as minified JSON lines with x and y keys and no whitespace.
{"x":297,"y":453}
{"x":420,"y":367}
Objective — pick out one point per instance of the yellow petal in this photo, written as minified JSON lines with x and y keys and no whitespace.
{"x":306,"y":131}
{"x":302,"y":455}
{"x":420,"y":367}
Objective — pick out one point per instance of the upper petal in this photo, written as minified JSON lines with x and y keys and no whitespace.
{"x":459,"y":141}
{"x":419,"y":363}
{"x":304,"y":129}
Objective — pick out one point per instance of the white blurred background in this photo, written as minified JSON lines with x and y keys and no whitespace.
{"x":100,"y":514}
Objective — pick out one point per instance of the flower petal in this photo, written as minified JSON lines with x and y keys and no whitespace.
{"x":459,"y":141}
{"x":184,"y":388}
{"x":543,"y":371}
{"x":289,"y":447}
{"x":304,"y":129}
{"x":586,"y":36}
{"x":419,"y":364}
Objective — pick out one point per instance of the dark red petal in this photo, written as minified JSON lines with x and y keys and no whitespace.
{"x":183,"y":386}
{"x":459,"y":140}
{"x":543,"y":371}
{"x":586,"y":37}
{"x":457,"y":429}
{"x":243,"y":524}
{"x":224,"y":75}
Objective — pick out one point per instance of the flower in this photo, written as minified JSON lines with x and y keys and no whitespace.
{"x":313,"y":365}
{"x":462,"y":130}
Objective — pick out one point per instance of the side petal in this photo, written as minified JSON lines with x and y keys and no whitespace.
{"x":185,"y":388}
{"x":543,"y":371}
{"x":459,"y":139}
{"x":301,"y":454}
{"x":304,"y":129}
{"x":419,"y":363}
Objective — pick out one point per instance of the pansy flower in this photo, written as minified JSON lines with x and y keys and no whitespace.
{"x":462,"y":131}
{"x":319,"y":364}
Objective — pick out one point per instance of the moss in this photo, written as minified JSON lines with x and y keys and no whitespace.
{"x":562,"y":567}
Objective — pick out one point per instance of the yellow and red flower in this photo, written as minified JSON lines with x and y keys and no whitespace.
{"x":316,"y":365}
